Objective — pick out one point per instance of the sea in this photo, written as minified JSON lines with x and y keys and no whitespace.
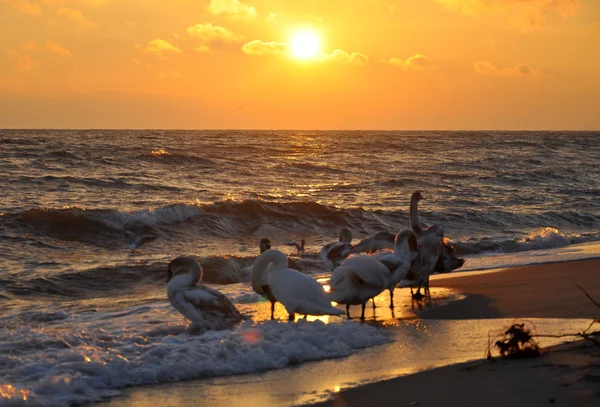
{"x":84,"y":317}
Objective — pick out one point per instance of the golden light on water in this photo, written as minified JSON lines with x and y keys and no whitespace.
{"x":8,"y":391}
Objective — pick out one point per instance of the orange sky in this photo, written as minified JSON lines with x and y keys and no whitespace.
{"x":383,"y":64}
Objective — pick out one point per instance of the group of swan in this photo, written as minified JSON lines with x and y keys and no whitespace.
{"x":355,"y":279}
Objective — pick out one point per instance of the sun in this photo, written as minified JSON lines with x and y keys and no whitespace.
{"x":305,"y":45}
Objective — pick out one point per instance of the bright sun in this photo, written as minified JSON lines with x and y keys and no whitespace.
{"x":305,"y":45}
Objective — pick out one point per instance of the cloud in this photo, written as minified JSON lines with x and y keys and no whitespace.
{"x":24,"y":62}
{"x":76,"y":16}
{"x":260,"y":48}
{"x":341,"y":56}
{"x":518,"y":71}
{"x":57,"y":49}
{"x":30,"y":46}
{"x":25,"y":7}
{"x":417,"y":62}
{"x":160,"y":48}
{"x":233,"y":8}
{"x":211,"y":35}
{"x":523,"y":13}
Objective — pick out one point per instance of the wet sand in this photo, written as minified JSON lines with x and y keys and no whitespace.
{"x":564,"y":375}
{"x":538,"y":291}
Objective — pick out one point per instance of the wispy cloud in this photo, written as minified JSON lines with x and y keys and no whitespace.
{"x":26,"y":7}
{"x":212,"y":35}
{"x":232,"y":8}
{"x":76,"y":16}
{"x":417,"y":62}
{"x":522,"y":13}
{"x":161,"y":48}
{"x":518,"y":71}
{"x":341,"y":56}
{"x":23,"y":61}
{"x":57,"y":49}
{"x":260,"y":48}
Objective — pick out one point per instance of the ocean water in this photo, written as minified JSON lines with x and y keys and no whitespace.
{"x":83,"y":316}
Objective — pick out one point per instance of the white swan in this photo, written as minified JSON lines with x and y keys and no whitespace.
{"x":359,"y":278}
{"x":447,"y":261}
{"x":425,"y":263}
{"x":398,"y":262}
{"x":297,"y":292}
{"x":333,"y":253}
{"x":205,"y":307}
{"x":258,"y":278}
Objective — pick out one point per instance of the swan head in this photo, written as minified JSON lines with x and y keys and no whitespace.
{"x":265,"y":244}
{"x":183,"y":265}
{"x":345,"y":235}
{"x":416,"y":196}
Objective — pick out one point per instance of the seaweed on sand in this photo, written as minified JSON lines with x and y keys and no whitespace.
{"x":518,"y":342}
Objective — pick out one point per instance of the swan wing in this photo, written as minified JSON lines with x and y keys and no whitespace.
{"x":339,"y":250}
{"x":368,"y":269}
{"x":374,"y":243}
{"x":209,"y":300}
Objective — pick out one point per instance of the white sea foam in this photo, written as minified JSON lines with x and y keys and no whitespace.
{"x":51,"y":368}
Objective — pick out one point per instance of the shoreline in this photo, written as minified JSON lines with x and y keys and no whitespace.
{"x":535,"y":291}
{"x":566,"y":374}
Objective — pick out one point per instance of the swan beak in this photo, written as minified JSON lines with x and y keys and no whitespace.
{"x":169,"y":275}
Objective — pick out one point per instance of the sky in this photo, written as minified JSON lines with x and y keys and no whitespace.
{"x":234,"y":64}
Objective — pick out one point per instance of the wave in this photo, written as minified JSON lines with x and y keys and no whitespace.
{"x":82,"y":366}
{"x":544,"y":238}
{"x":166,"y":157}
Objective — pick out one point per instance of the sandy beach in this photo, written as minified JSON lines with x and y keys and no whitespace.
{"x":566,"y":374}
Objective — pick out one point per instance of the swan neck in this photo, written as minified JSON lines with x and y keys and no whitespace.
{"x":261,"y":266}
{"x":415,"y":222}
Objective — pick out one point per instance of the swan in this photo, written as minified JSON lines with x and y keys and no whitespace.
{"x":297,"y":292}
{"x":299,"y":247}
{"x":398,"y":262}
{"x":135,"y":242}
{"x":333,"y":253}
{"x":447,"y":261}
{"x":258,"y":279}
{"x":425,"y":263}
{"x":359,"y":278}
{"x":200,"y":304}
{"x":374,"y":243}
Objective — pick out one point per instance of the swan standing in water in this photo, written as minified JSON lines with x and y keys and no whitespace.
{"x":425,"y":263}
{"x":205,"y":307}
{"x":258,"y":278}
{"x":297,"y":292}
{"x":398,"y":262}
{"x":333,"y":253}
{"x":359,"y":278}
{"x":446,"y":259}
